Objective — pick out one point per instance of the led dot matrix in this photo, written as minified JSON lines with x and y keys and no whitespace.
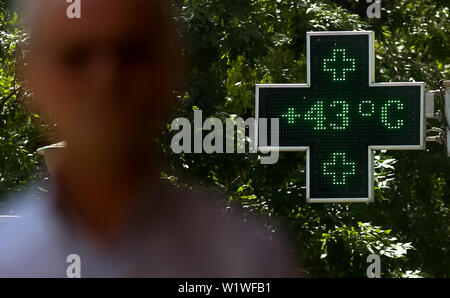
{"x":339,"y":168}
{"x":340,"y":116}
{"x":363,"y":106}
{"x":316,"y":114}
{"x":339,"y":64}
{"x":290,"y":115}
{"x":385,"y":111}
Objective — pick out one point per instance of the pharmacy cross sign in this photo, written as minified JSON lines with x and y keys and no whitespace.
{"x":341,"y":115}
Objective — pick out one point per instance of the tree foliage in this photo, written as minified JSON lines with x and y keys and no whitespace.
{"x":19,"y":134}
{"x":233,"y":45}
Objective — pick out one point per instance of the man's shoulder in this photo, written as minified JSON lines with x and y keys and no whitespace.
{"x":240,"y":240}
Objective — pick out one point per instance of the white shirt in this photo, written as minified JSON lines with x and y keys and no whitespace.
{"x":180,"y":236}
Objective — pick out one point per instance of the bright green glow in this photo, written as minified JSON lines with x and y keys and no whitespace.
{"x":366,"y":109}
{"x":340,"y":70}
{"x":384,"y":114}
{"x":316,"y":114}
{"x":366,"y":113}
{"x":343,"y":115}
{"x":290,"y":115}
{"x":338,"y":59}
{"x":339,"y":168}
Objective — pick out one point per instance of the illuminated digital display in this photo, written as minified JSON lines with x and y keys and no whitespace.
{"x":341,"y":115}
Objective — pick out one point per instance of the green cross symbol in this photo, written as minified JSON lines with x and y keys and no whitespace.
{"x":339,"y":64}
{"x":290,"y":115}
{"x":339,"y":168}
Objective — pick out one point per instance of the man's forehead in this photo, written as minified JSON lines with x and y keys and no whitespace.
{"x":89,"y":5}
{"x":97,"y":17}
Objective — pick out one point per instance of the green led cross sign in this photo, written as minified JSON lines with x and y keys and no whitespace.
{"x":341,"y":115}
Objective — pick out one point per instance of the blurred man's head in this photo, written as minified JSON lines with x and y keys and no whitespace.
{"x":105,"y":78}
